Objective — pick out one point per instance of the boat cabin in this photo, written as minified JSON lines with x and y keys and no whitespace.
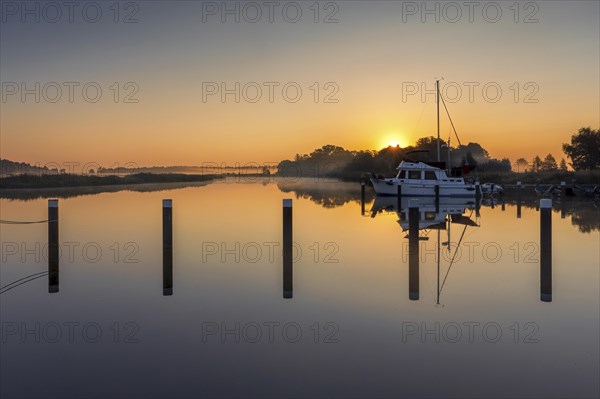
{"x":421,"y":171}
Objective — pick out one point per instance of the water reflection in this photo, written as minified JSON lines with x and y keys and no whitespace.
{"x":432,"y":216}
{"x":426,"y":215}
{"x":325,"y":192}
{"x":546,"y":251}
{"x":74,"y":192}
{"x":288,"y":264}
{"x":414,"y":222}
{"x":167,"y":234}
{"x":584,"y":212}
{"x":370,"y":291}
{"x":53,"y":246}
{"x":586,"y":218}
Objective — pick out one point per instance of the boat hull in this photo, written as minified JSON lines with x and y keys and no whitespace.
{"x":389,"y":187}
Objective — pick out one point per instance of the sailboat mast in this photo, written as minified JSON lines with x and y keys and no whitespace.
{"x":437,"y":90}
{"x":448,"y":166}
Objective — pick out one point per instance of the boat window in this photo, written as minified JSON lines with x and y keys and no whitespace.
{"x":414,"y":174}
{"x":430,"y":215}
{"x":402,"y":174}
{"x":430,"y":175}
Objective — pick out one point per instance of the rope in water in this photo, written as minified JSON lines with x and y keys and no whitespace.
{"x":27,"y":279}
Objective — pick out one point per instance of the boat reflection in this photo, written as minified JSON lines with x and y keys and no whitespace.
{"x":432,"y":215}
{"x":427,"y":214}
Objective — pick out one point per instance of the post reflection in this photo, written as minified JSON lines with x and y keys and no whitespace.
{"x":288,"y":287}
{"x":167,"y":247}
{"x":413,"y":250}
{"x":362,"y":196}
{"x":53,"y":248}
{"x":546,"y":250}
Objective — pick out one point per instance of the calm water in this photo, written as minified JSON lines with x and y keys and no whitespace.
{"x":477,"y":329}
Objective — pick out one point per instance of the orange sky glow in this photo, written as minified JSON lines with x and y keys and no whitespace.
{"x":367,"y":81}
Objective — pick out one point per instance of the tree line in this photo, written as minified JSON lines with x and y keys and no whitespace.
{"x":331,"y":160}
{"x":583,"y":151}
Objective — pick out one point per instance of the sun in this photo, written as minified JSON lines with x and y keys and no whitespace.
{"x":394,"y":140}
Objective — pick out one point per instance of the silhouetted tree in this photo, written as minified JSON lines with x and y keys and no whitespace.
{"x":331,"y":160}
{"x":11,"y":168}
{"x":505,"y":165}
{"x":428,"y":142}
{"x":563,"y":165}
{"x":549,"y":163}
{"x":495,"y":165}
{"x":430,"y":145}
{"x":584,"y":149}
{"x":536,"y":164}
{"x":474,"y":151}
{"x":363,"y":161}
{"x":521,"y":164}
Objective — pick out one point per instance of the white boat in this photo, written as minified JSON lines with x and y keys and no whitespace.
{"x":418,"y":179}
